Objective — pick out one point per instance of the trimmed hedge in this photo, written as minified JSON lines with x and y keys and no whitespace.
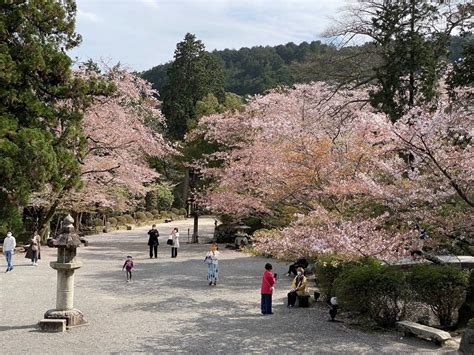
{"x":121,"y":220}
{"x":149,"y":215}
{"x":129,"y":219}
{"x":183,"y":212}
{"x":377,"y":290}
{"x":328,"y":268}
{"x":141,"y":216}
{"x":113,"y":221}
{"x":442,"y":287}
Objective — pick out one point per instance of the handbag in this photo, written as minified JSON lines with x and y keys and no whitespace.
{"x":208,"y":260}
{"x":170,"y":241}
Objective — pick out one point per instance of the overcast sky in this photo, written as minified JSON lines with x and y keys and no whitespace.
{"x":144,"y":33}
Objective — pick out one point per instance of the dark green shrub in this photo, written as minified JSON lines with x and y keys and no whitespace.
{"x":442,"y":287}
{"x":121,"y":220}
{"x":141,"y":216}
{"x":183,"y":212}
{"x":113,"y":221}
{"x":327,"y":269}
{"x":98,"y":222}
{"x":156,"y":213}
{"x":149,"y":215}
{"x":373,"y":289}
{"x":166,"y":214}
{"x":175,"y":211}
{"x":129,"y":219}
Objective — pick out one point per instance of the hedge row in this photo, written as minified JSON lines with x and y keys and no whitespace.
{"x":383,"y":292}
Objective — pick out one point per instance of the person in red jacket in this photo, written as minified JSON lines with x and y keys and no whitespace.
{"x":268,"y":280}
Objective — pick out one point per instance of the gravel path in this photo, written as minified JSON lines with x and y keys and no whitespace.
{"x":169,"y":306}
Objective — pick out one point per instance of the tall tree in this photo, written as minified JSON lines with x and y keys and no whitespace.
{"x":193,"y":74}
{"x":409,"y":40}
{"x":41,"y":103}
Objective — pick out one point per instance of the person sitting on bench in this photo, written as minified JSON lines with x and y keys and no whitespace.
{"x":300,"y":263}
{"x":298,"y":287}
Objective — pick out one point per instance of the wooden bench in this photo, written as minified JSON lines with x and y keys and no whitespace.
{"x":423,"y":331}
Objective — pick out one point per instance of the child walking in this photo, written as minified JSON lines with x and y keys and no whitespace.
{"x":128,"y":266}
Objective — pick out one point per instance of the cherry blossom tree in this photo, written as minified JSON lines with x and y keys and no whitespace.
{"x":122,"y":131}
{"x":329,"y":154}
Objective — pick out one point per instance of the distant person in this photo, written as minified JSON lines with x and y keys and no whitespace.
{"x":175,"y":245}
{"x":268,"y":280}
{"x":153,"y":241}
{"x":299,"y":263}
{"x":9,"y":245}
{"x":212,"y":261}
{"x":298,"y":287}
{"x":34,"y":252}
{"x":128,"y":266}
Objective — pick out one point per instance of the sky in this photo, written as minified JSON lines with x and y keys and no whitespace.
{"x":143,"y":33}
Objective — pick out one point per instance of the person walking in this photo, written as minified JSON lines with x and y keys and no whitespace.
{"x":298,"y":287}
{"x":128,"y":266}
{"x":175,"y":238}
{"x":212,"y":261}
{"x":268,"y":282}
{"x":34,"y":250}
{"x":153,"y":241}
{"x":9,"y":245}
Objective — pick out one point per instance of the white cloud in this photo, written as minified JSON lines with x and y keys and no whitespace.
{"x":141,"y":37}
{"x":87,"y":16}
{"x":151,"y":3}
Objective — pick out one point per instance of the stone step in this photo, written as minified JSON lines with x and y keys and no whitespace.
{"x":423,"y":331}
{"x":53,"y":325}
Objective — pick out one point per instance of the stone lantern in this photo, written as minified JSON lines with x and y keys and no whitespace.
{"x":64,"y":315}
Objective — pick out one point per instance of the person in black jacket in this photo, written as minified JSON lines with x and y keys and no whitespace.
{"x":300,"y":263}
{"x":153,"y":241}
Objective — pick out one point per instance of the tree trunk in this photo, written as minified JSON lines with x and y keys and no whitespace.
{"x":195,"y":228}
{"x":186,"y":188}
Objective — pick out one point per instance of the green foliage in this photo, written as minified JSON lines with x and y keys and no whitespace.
{"x":327,"y":270}
{"x":141,"y":216}
{"x":441,"y":287}
{"x":151,"y":201}
{"x":113,"y":221}
{"x":98,"y":222}
{"x":161,"y":198}
{"x":373,"y":289}
{"x":463,"y":69}
{"x":182,"y":212}
{"x":255,"y":70}
{"x":149,"y":215}
{"x":175,"y":211}
{"x":40,"y":137}
{"x":121,"y":220}
{"x":193,"y":74}
{"x":155,"y":213}
{"x":129,"y":219}
{"x":329,"y":267}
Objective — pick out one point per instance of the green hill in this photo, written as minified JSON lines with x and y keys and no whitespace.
{"x":254,"y":70}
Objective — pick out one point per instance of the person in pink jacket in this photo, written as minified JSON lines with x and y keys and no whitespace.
{"x":268,"y":280}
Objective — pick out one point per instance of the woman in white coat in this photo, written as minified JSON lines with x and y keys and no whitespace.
{"x":175,"y":238}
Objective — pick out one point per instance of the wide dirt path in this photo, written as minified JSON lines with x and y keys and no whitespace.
{"x":169,"y":306}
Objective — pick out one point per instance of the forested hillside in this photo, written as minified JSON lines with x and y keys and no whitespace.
{"x":254,"y":70}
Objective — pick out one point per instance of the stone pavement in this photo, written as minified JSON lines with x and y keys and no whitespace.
{"x":169,"y":306}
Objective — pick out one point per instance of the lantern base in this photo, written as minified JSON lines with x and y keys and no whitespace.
{"x":73,"y":317}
